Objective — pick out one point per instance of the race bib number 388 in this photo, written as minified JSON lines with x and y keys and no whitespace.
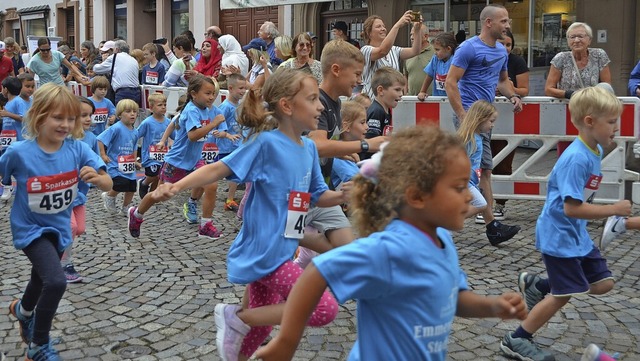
{"x":52,"y":194}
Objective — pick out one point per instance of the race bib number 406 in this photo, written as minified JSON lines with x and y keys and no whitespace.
{"x":52,"y":194}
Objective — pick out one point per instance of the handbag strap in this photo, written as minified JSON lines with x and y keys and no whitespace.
{"x":113,"y":63}
{"x":577,"y":70}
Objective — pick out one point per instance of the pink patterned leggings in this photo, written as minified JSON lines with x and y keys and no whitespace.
{"x":274,"y":289}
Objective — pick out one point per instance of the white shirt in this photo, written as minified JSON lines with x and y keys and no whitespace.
{"x":125,"y":72}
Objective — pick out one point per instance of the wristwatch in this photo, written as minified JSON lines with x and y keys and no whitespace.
{"x":364,"y":146}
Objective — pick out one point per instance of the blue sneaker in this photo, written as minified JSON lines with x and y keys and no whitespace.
{"x":26,"y":323}
{"x":190,"y":210}
{"x":43,"y":353}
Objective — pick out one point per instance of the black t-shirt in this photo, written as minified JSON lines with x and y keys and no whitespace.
{"x":516,"y":66}
{"x":377,"y":120}
{"x":331,"y":122}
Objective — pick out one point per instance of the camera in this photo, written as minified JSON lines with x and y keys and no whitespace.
{"x":160,"y":41}
{"x":415,"y":16}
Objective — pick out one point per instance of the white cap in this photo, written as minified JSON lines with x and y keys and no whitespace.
{"x":109,"y":45}
{"x":3,"y":46}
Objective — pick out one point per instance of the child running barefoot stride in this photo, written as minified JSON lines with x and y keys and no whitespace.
{"x":404,"y":274}
{"x":47,"y":167}
{"x":285,"y":171}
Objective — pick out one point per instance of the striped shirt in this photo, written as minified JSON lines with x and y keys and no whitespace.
{"x":392,"y":59}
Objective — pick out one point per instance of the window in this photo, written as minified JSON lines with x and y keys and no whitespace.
{"x":551,"y":19}
{"x":179,"y":17}
{"x":35,"y":24}
{"x":121,"y":18}
{"x":348,"y":4}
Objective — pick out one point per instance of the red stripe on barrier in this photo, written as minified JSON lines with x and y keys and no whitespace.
{"x":528,"y":120}
{"x":526,"y":188}
{"x":570,"y":128}
{"x":427,"y":113}
{"x":626,"y":121}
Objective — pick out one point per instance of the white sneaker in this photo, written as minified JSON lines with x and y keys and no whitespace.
{"x":479,"y":219}
{"x":613,"y":228}
{"x":7,"y":192}
{"x":499,"y":212}
{"x":109,"y":203}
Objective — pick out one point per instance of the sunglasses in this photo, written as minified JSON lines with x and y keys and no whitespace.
{"x":45,"y":50}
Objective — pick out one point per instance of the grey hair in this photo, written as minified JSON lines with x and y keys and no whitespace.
{"x":122,"y":46}
{"x":577,"y":24}
{"x":64,"y":48}
{"x":272,"y":30}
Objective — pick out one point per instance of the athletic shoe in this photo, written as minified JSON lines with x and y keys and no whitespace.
{"x":479,"y":219}
{"x":498,"y":212}
{"x":109,"y":203}
{"x":143,"y":189}
{"x":231,"y":205}
{"x":7,"y":192}
{"x":524,"y":349}
{"x":230,"y":331}
{"x":71,"y":274}
{"x":613,"y":228}
{"x":498,"y":232}
{"x":593,"y":353}
{"x":134,"y":222}
{"x":43,"y":353}
{"x":208,"y":230}
{"x":26,"y":323}
{"x":527,"y":285}
{"x":190,"y":211}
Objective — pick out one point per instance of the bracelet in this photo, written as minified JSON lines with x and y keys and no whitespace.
{"x":515,"y":95}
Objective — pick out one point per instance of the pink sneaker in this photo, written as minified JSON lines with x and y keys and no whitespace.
{"x":230,"y":331}
{"x":134,"y":222}
{"x":593,"y":353}
{"x":209,"y":231}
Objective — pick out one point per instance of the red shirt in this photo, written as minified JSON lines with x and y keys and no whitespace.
{"x":6,"y":68}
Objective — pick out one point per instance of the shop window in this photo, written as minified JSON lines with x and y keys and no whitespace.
{"x":551,"y":20}
{"x":121,"y":18}
{"x":348,"y":4}
{"x":179,"y":17}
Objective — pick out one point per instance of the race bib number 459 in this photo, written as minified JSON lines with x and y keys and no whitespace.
{"x":299,"y":203}
{"x":52,"y":194}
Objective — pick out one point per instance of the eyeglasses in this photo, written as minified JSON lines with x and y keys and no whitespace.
{"x":45,"y":50}
{"x":304,"y":45}
{"x":578,"y":36}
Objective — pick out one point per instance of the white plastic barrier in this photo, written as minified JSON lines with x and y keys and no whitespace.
{"x":545,"y":120}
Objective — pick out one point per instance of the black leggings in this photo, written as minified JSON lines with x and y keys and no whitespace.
{"x":46,"y":286}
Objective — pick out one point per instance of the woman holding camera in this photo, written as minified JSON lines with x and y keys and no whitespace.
{"x":380,"y":51}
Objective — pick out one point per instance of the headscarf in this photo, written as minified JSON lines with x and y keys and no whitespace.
{"x":210,"y":66}
{"x":233,"y":54}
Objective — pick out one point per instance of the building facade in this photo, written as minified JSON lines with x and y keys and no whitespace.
{"x":539,"y":26}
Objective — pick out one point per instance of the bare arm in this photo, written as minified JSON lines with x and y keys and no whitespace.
{"x":506,"y":306}
{"x":100,"y":178}
{"x":302,"y":300}
{"x":605,"y":75}
{"x":551,"y":86}
{"x":332,"y":198}
{"x":384,"y":48}
{"x":576,"y":209}
{"x":167,"y":133}
{"x":206,"y":175}
{"x":505,"y":86}
{"x":415,"y":48}
{"x":523,"y":84}
{"x":73,"y":69}
{"x":103,"y":153}
{"x":329,"y":148}
{"x":422,"y":95}
{"x":451,"y":86}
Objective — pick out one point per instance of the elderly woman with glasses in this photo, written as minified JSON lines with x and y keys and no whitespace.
{"x":580,"y":67}
{"x":46,"y":64}
{"x":302,"y":49}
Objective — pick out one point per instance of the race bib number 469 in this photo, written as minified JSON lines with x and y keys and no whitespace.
{"x":100,"y":116}
{"x":52,"y":194}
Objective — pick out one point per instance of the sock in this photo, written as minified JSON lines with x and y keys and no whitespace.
{"x":24,"y":312}
{"x":522,"y":333}
{"x":137,"y":214}
{"x":543,"y":286}
{"x":204,"y":221}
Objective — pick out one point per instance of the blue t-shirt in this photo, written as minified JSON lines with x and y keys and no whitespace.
{"x":11,"y":128}
{"x":482,"y":64}
{"x":277,"y":166}
{"x":406,"y":289}
{"x":576,"y":175}
{"x":121,"y":143}
{"x":46,"y":187}
{"x":83,"y":188}
{"x":153,"y":76}
{"x":225,"y":145}
{"x":99,"y":119}
{"x":475,"y":156}
{"x":342,"y":171}
{"x":152,"y":131}
{"x":438,"y":70}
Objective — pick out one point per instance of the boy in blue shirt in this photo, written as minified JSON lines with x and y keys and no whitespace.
{"x":237,"y":85}
{"x":153,"y":72}
{"x":11,"y":117}
{"x":574,"y":264}
{"x":151,"y":130}
{"x":105,"y":110}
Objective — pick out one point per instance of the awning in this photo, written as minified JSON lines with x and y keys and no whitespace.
{"x":34,"y":9}
{"x":239,"y":4}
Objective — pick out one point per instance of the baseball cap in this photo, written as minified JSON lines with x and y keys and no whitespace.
{"x":256,"y":43}
{"x":108,"y":45}
{"x":341,"y":25}
{"x":312,"y":35}
{"x":3,"y":46}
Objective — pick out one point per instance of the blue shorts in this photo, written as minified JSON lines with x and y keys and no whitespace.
{"x":572,"y":276}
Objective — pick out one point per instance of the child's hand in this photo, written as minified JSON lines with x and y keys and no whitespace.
{"x":88,"y":174}
{"x":105,"y":159}
{"x":422,"y":96}
{"x":276,"y":350}
{"x":234,"y":137}
{"x":622,"y":208}
{"x":509,"y":305}
{"x":164,"y":192}
{"x":112,"y":119}
{"x":346,"y":191}
{"x":160,"y":145}
{"x":138,"y":165}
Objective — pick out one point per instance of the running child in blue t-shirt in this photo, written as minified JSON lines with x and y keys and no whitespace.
{"x":118,"y":145}
{"x":237,"y":85}
{"x":404,"y":274}
{"x":574,"y":263}
{"x":105,"y":113}
{"x":151,"y":131}
{"x":191,"y":150}
{"x":47,"y":167}
{"x":444,"y":46}
{"x":284,"y":169}
{"x":78,"y":213}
